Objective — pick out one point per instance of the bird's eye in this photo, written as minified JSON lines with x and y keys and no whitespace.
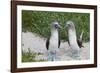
{"x":69,"y":25}
{"x":56,"y":26}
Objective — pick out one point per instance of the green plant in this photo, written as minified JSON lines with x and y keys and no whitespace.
{"x":39,"y":22}
{"x":30,"y":57}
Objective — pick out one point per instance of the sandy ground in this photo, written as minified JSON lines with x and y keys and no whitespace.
{"x":36,"y":44}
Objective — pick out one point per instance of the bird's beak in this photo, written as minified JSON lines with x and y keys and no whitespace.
{"x":65,"y":26}
{"x":59,"y":27}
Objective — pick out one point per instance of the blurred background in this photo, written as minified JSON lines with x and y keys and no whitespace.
{"x":39,"y":22}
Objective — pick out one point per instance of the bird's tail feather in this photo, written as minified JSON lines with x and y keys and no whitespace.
{"x":81,"y":36}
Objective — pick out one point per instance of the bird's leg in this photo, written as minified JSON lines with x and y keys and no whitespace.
{"x":76,"y":54}
{"x":57,"y":52}
{"x":54,"y":55}
{"x":51,"y":55}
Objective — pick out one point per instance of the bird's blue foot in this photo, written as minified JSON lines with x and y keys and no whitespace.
{"x":51,"y":56}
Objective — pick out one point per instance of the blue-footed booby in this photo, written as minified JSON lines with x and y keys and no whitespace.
{"x":74,"y":42}
{"x":53,"y":42}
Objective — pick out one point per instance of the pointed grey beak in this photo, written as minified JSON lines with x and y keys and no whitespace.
{"x":59,"y":26}
{"x":66,"y":25}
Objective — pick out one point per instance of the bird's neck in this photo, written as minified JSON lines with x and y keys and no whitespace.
{"x":54,"y":32}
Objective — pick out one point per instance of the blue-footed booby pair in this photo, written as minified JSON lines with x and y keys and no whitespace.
{"x":53,"y":42}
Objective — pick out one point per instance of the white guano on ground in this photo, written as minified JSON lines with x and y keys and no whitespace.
{"x":36,"y":44}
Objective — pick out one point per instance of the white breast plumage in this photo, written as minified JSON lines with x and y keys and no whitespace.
{"x":73,"y":40}
{"x":53,"y":40}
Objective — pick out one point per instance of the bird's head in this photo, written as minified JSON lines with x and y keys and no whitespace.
{"x":70,"y":25}
{"x":56,"y":25}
